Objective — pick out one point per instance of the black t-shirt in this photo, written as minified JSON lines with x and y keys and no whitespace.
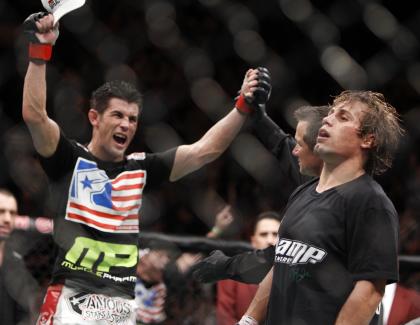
{"x":327,"y":242}
{"x":96,"y":206}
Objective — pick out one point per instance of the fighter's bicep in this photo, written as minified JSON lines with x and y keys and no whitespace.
{"x":45,"y":136}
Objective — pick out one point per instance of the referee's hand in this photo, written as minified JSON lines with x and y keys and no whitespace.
{"x":212,"y":268}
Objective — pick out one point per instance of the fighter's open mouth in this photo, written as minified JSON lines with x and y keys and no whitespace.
{"x":121,"y":139}
{"x":322,"y":133}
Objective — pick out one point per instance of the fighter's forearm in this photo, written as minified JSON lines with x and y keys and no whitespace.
{"x":44,"y":131}
{"x":189,"y":158}
{"x":258,"y":307}
{"x":34,"y":94}
{"x":360,"y":306}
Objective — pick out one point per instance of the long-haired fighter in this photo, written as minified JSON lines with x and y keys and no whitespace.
{"x":338,"y":241}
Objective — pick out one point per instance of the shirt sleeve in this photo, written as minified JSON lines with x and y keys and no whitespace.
{"x":159,"y":167}
{"x":59,"y":164}
{"x":372,"y":239}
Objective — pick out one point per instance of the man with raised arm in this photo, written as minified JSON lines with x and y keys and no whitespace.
{"x":97,"y":189}
{"x":298,"y":164}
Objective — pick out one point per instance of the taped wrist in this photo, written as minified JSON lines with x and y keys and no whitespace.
{"x":247,"y":320}
{"x":216,"y":231}
{"x":40,"y":52}
{"x":243,"y":106}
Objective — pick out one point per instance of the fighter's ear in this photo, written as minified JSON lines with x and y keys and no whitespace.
{"x":368,"y":142}
{"x":93,"y":116}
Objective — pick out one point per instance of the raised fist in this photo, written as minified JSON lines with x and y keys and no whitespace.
{"x":263,"y":91}
{"x":255,"y":90}
{"x":39,"y":28}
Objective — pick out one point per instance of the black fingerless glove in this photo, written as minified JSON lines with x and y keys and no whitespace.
{"x":212,"y":268}
{"x":261,"y":94}
{"x":38,"y":52}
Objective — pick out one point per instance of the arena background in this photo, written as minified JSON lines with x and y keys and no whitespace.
{"x":188,"y":58}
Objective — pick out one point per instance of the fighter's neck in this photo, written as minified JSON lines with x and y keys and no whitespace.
{"x":100,"y":154}
{"x":333,"y":175}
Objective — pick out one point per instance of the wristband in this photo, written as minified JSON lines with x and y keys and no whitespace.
{"x":40,"y":52}
{"x":247,"y":320}
{"x":216,"y":231}
{"x":242,"y":105}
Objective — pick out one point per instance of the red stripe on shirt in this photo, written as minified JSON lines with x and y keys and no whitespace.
{"x":100,"y":224}
{"x":126,"y":198}
{"x":128,"y":187}
{"x":101,"y":214}
{"x":129,"y":176}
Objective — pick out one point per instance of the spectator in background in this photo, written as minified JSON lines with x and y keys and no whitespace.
{"x":161,"y":274}
{"x":18,"y":289}
{"x":222,"y":221}
{"x":233,"y":298}
{"x":150,"y":290}
{"x":401,"y":304}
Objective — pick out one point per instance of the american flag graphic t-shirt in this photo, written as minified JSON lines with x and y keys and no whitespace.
{"x":109,"y":205}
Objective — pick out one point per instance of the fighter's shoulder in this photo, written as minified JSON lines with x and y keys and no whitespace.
{"x":305,"y":186}
{"x":366,"y":190}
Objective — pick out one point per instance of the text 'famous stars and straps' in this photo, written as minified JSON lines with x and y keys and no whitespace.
{"x":95,"y":307}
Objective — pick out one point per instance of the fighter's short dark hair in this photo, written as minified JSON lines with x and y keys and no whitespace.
{"x":313,"y":115}
{"x":115,"y":89}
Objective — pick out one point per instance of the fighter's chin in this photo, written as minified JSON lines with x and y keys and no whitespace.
{"x":112,"y":156}
{"x":317,"y":148}
{"x":321,"y":150}
{"x":308,"y":171}
{"x":118,"y":153}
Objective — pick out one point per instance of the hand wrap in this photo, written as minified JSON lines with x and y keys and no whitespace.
{"x":247,"y":320}
{"x":38,"y":52}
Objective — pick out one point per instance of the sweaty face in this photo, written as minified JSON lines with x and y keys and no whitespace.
{"x":8,"y":211}
{"x":338,"y":138}
{"x":266,"y":233}
{"x":309,"y":163}
{"x":113,"y":130}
